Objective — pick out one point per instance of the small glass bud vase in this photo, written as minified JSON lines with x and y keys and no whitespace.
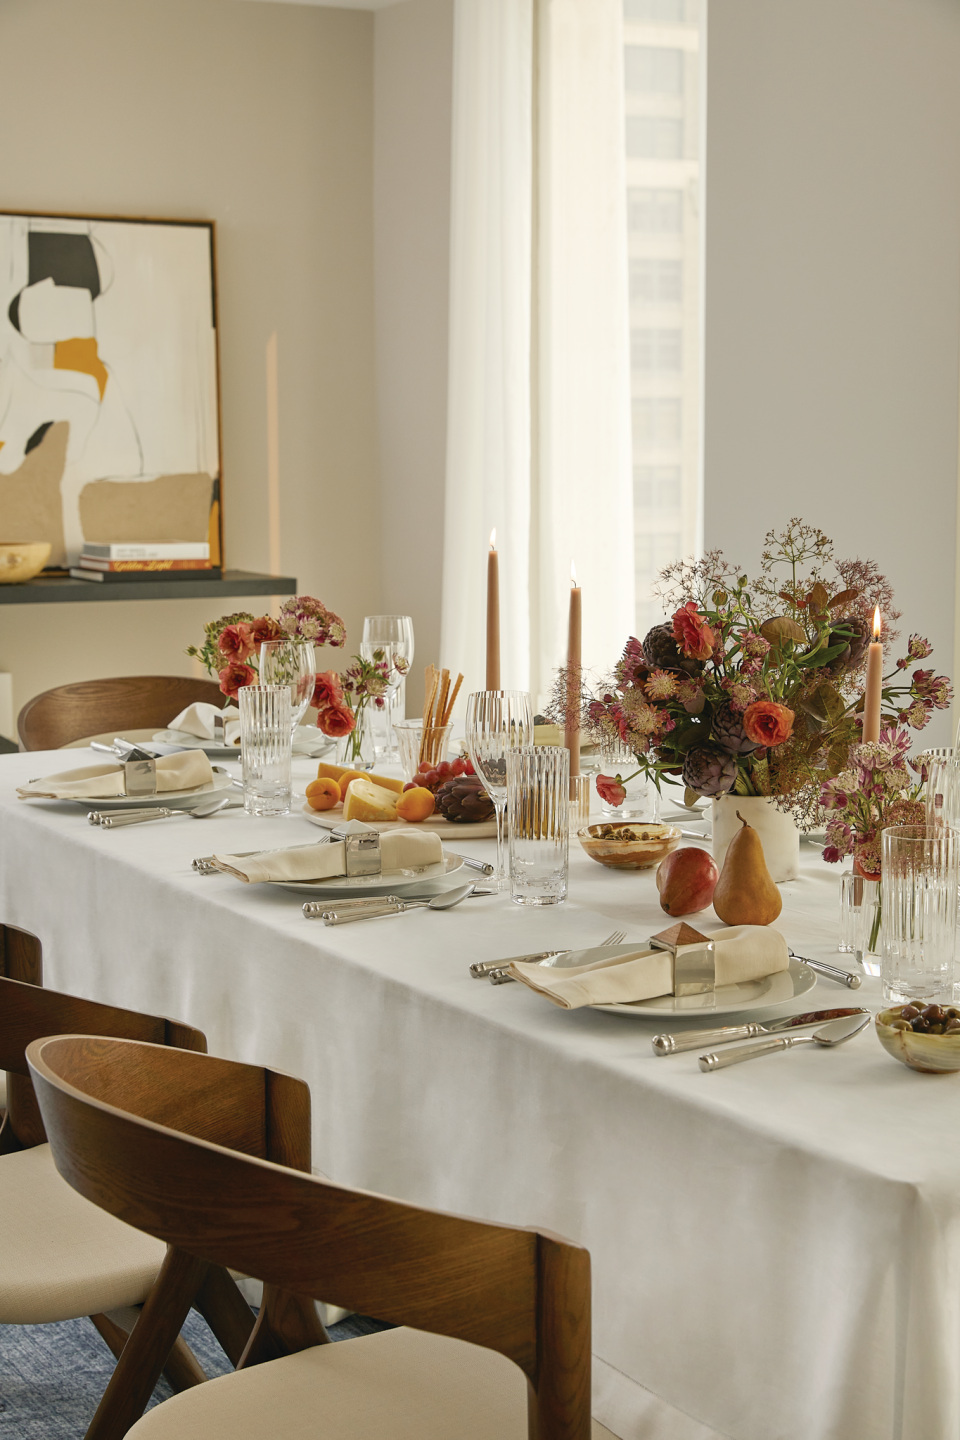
{"x":642,"y":800}
{"x":868,"y":925}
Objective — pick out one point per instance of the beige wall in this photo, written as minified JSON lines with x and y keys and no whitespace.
{"x":833,"y":287}
{"x":261,"y":118}
{"x":413,"y":109}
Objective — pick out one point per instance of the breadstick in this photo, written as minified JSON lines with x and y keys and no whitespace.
{"x":445,"y":719}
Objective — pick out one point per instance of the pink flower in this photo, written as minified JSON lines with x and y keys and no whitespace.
{"x":661,"y":685}
{"x":236,"y":642}
{"x":327,"y":691}
{"x":692,"y":633}
{"x":918,"y":648}
{"x":234,"y":676}
{"x":336,"y":720}
{"x":611,"y":790}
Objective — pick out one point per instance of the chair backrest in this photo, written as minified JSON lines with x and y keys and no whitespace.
{"x":27,"y":1012}
{"x":90,"y":707}
{"x":21,"y":956}
{"x":518,"y":1291}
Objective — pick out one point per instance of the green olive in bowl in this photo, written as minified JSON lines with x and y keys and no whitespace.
{"x":924,"y":1037}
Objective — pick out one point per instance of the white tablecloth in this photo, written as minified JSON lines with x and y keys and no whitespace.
{"x":776,"y":1247}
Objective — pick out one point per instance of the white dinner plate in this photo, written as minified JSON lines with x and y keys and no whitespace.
{"x":339,"y":886}
{"x":777,"y":989}
{"x":307,"y":741}
{"x":174,"y":799}
{"x":482,"y":830}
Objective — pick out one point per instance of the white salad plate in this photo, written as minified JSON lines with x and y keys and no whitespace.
{"x":174,"y":799}
{"x":482,"y":830}
{"x":339,"y":886}
{"x":772,"y":990}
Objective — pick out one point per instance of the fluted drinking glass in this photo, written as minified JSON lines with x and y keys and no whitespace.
{"x":498,"y":721}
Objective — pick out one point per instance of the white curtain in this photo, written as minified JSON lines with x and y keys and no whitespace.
{"x":488,"y":409}
{"x":552,"y":247}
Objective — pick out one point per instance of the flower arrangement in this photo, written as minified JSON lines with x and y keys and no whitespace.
{"x":364,"y":683}
{"x":756,"y":688}
{"x":873,"y":791}
{"x":231,"y":644}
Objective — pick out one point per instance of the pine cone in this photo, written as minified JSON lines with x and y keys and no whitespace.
{"x":728,"y":731}
{"x":464,"y":801}
{"x":662,"y":652}
{"x":709,"y":772}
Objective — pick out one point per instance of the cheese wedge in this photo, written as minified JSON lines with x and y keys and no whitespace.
{"x":368,"y":802}
{"x":333,"y":772}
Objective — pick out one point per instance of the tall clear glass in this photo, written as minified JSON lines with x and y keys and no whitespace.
{"x":919,"y":874}
{"x":498,"y":721}
{"x":393,"y":634}
{"x":266,"y":740}
{"x":292,"y":663}
{"x":941,"y":791}
{"x":538,"y":810}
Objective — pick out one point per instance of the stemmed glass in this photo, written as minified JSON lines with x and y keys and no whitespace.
{"x":393,"y":635}
{"x":293,"y":663}
{"x":497,"y":721}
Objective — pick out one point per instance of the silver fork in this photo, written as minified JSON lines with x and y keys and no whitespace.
{"x":497,"y":975}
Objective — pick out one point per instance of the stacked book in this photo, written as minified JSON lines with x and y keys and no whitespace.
{"x":146,"y":561}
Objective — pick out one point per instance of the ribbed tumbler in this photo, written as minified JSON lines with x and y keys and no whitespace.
{"x":920,"y":871}
{"x":538,"y":811}
{"x":265,"y":748}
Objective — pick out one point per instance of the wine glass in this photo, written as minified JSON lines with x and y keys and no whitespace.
{"x":293,"y":663}
{"x":497,"y":721}
{"x":393,"y":636}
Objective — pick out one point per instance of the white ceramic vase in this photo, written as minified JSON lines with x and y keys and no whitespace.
{"x":778,"y":834}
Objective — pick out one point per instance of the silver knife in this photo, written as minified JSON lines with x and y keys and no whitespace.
{"x":835,"y":1033}
{"x":482,"y":968}
{"x":695,"y":1039}
{"x":830,"y":972}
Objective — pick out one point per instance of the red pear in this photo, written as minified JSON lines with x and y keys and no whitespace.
{"x":686,"y":880}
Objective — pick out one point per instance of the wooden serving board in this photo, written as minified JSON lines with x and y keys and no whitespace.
{"x":483,"y":830}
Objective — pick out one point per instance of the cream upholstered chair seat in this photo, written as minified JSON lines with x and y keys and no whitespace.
{"x":398,"y":1385}
{"x":62,"y":1256}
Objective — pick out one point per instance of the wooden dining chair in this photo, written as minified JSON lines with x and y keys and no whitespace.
{"x":91,"y":707}
{"x":21,"y":958}
{"x":476,"y":1295}
{"x":62,"y":1258}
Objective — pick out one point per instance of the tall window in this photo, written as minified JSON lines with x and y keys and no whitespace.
{"x":662,"y":40}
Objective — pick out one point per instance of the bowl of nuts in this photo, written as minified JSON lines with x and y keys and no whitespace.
{"x":629,"y":845}
{"x":925,"y":1037}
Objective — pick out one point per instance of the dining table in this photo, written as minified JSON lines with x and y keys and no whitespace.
{"x":775,"y":1246}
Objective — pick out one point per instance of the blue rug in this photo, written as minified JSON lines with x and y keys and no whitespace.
{"x":52,"y":1376}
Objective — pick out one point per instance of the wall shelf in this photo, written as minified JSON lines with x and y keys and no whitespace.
{"x":53,"y":590}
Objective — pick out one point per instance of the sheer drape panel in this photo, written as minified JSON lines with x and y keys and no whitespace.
{"x":585,"y":492}
{"x":488,"y":441}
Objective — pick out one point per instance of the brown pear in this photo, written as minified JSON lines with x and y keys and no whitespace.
{"x":745,"y":893}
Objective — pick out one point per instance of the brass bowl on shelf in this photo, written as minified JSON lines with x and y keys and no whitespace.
{"x":629,"y":844}
{"x":21,"y":562}
{"x":932,"y":1054}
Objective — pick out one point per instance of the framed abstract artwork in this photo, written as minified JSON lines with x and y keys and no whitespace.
{"x":109,"y":384}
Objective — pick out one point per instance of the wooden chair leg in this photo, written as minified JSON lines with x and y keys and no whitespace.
{"x":286,"y":1323}
{"x":561,"y":1409}
{"x":182,"y":1370}
{"x":225,"y":1311}
{"x":148,"y":1347}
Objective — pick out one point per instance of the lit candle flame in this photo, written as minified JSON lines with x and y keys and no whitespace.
{"x":493,"y":538}
{"x":573,"y":573}
{"x":876,"y":623}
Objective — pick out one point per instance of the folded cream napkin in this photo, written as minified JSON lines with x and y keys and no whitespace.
{"x":403,"y":850}
{"x":744,"y":952}
{"x":187,"y":770}
{"x":198,"y":720}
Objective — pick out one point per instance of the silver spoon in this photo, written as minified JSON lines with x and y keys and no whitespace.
{"x":113,"y":820}
{"x":833,"y":1034}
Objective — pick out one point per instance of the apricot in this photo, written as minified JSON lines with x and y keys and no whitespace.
{"x":323,"y":794}
{"x":415,"y":805}
{"x":348,"y":775}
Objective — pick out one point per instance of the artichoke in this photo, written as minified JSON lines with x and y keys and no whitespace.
{"x":728,"y":731}
{"x":851,"y":657}
{"x":464,"y":801}
{"x":662,"y":652}
{"x":708,"y":771}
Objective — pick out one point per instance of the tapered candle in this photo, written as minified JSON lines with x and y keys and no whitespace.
{"x":571,"y":736}
{"x":872,"y":694}
{"x":493,"y":615}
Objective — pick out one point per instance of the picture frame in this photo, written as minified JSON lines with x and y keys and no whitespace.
{"x":110,"y":428}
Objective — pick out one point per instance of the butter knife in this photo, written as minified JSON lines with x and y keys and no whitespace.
{"x":694,"y":1039}
{"x":829,"y":972}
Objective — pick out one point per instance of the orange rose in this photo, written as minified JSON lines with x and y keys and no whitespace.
{"x":336,"y":720}
{"x":692,"y":633}
{"x":234,"y":677}
{"x":766,"y":723}
{"x":236,"y":642}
